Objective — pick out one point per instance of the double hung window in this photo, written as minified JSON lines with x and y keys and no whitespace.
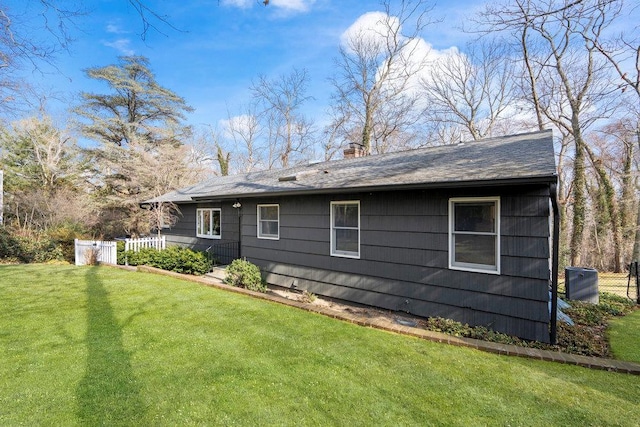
{"x":269,"y":222}
{"x":208,"y":223}
{"x":345,"y":229}
{"x":474,"y":234}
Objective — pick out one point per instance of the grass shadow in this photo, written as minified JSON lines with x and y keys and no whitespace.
{"x":108,"y":394}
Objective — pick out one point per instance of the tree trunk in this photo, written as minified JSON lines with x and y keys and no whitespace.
{"x":367,"y":129}
{"x":223,"y":161}
{"x":612,"y":207}
{"x":627,"y":201}
{"x":532,"y":78}
{"x":636,"y":243}
{"x":579,"y":203}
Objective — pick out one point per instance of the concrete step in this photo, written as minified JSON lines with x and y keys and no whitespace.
{"x":219,"y":273}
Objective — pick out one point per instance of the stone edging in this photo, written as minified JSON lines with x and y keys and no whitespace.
{"x":490,"y":347}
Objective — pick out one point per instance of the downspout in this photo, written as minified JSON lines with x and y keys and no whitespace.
{"x":553,"y":330}
{"x":238,"y":206}
{"x":240,"y":232}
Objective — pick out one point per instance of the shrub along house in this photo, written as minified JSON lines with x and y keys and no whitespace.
{"x":460,"y":231}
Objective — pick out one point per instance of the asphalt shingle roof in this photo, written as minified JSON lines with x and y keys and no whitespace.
{"x":523,"y":157}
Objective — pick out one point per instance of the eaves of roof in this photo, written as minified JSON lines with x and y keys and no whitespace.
{"x":547,"y":179}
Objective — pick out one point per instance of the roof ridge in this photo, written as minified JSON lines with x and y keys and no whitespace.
{"x":381,"y":156}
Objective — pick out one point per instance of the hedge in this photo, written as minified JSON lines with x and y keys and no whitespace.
{"x":174,"y":258}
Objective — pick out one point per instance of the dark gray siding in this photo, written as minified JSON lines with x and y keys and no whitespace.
{"x":403,"y":261}
{"x":184,"y":231}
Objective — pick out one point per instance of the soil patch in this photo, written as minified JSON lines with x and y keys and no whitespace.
{"x":350,"y":308}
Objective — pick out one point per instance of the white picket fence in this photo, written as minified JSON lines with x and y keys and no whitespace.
{"x":107,"y":253}
{"x":104,"y":252}
{"x":135,"y":245}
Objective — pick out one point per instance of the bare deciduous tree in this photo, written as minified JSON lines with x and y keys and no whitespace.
{"x":42,"y":175}
{"x":376,"y":84}
{"x":566,"y":80}
{"x":622,"y":51}
{"x":245,"y":132}
{"x":472,"y":90}
{"x":138,"y":174}
{"x":281,"y":100}
{"x":159,"y":171}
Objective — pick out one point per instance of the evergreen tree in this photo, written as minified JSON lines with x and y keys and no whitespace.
{"x":137,"y":125}
{"x":137,"y":108}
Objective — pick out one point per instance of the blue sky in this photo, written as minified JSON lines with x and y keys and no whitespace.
{"x":219,"y":47}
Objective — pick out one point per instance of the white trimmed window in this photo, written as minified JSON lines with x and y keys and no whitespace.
{"x":208,"y":223}
{"x":474,"y":234}
{"x":269,"y":222}
{"x":345,"y":229}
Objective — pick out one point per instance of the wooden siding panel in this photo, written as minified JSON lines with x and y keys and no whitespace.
{"x":301,"y":247}
{"x":301,"y":233}
{"x":520,"y":288}
{"x":403,"y":261}
{"x":477,"y":298}
{"x":535,"y":268}
{"x":517,"y":287}
{"x":410,"y":240}
{"x":405,"y":224}
{"x":535,"y":328}
{"x":403,"y":256}
{"x":304,"y":221}
{"x":527,"y":247}
{"x":189,"y":242}
{"x":525,"y":227}
{"x":525,"y":206}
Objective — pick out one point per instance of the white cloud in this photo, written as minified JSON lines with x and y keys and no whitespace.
{"x":242,"y":124}
{"x":371,"y":28}
{"x":293,"y":5}
{"x":281,"y":5}
{"x":122,"y":46}
{"x":242,"y":4}
{"x":115,"y":29}
{"x":434,"y":57}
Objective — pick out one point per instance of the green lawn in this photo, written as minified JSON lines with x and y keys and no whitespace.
{"x":624,"y":336}
{"x":96,"y":345}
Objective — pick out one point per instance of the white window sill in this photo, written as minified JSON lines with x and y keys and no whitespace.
{"x":474,"y":269}
{"x":346,"y":255}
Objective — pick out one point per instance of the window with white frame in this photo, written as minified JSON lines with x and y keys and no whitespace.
{"x":208,"y":223}
{"x":474,"y":234}
{"x":269,"y":222}
{"x":345,"y":229}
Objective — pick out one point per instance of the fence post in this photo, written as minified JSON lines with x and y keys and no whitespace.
{"x":114,"y":253}
{"x":76,"y":257}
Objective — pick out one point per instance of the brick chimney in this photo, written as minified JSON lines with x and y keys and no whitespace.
{"x":353,"y":151}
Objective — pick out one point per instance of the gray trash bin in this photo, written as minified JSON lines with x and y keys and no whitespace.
{"x":581,"y":284}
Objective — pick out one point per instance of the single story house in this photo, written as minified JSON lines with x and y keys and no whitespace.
{"x":459,"y":231}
